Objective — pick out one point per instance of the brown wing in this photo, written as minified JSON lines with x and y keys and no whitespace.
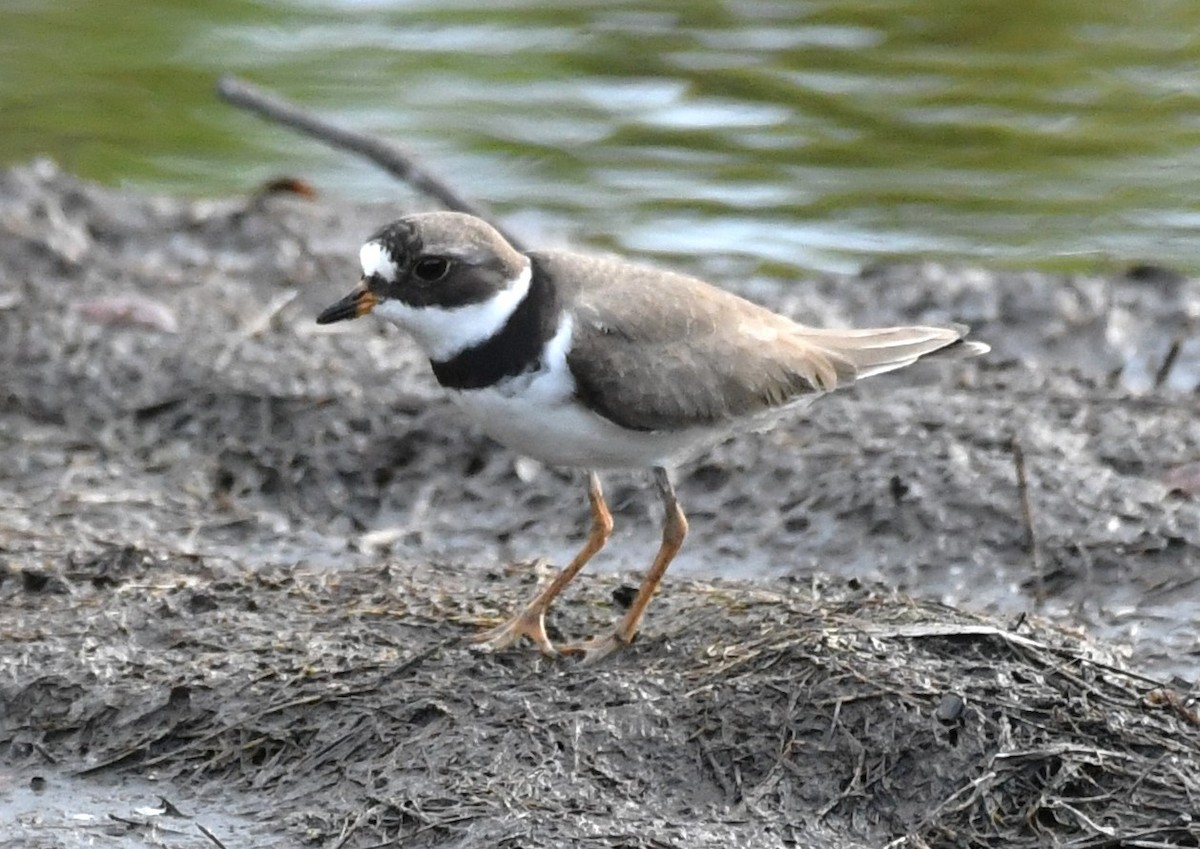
{"x":654,"y":350}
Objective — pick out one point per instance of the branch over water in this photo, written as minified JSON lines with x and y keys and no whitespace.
{"x":398,"y":162}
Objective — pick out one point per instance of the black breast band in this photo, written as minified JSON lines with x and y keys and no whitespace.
{"x":517,"y":348}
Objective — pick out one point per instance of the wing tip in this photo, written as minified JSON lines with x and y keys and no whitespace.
{"x":962,"y":346}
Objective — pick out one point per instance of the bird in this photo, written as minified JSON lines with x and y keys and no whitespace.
{"x":600,"y":363}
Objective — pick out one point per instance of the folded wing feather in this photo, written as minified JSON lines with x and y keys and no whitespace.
{"x":710,"y":357}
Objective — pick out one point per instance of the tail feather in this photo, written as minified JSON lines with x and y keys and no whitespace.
{"x":854,"y":354}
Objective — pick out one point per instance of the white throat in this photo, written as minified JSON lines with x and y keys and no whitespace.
{"x":445,"y":332}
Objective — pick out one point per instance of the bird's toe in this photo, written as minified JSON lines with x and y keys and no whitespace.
{"x":529,"y":623}
{"x":596,"y":649}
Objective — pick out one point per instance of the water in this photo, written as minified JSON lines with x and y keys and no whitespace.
{"x":761,"y":139}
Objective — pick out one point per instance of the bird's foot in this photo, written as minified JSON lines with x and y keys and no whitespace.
{"x":597,"y":648}
{"x":531,"y":623}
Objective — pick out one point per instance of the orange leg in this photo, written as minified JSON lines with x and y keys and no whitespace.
{"x":674,"y":530}
{"x":531,"y":622}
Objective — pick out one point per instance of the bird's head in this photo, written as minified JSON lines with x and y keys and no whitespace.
{"x":449,"y":279}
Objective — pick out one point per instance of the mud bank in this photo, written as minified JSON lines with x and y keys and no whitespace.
{"x":241,"y":553}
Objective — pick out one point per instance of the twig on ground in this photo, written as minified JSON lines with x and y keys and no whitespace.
{"x":1031,"y":540}
{"x":210,"y":836}
{"x":1168,"y":363}
{"x":255,"y":327}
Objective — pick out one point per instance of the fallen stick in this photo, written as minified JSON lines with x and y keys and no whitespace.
{"x":1168,"y":363}
{"x":391,"y":158}
{"x":1031,"y":538}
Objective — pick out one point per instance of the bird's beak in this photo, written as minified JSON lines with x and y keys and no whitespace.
{"x":359,"y":302}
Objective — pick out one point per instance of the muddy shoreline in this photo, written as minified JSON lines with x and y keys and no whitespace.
{"x":240,"y":555}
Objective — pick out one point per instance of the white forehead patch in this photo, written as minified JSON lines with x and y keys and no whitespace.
{"x":375,"y":259}
{"x":445,"y":332}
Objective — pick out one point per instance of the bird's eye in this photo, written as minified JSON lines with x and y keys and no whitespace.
{"x":430,"y":269}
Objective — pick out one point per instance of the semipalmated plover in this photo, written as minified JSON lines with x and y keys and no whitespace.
{"x":577,"y":360}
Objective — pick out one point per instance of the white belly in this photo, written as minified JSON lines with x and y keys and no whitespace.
{"x":562,"y":432}
{"x":537,"y":414}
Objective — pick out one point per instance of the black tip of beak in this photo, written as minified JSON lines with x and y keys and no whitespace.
{"x":342,"y":310}
{"x":359,"y":302}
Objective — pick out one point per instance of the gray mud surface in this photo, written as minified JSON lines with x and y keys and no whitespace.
{"x":240,"y":555}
